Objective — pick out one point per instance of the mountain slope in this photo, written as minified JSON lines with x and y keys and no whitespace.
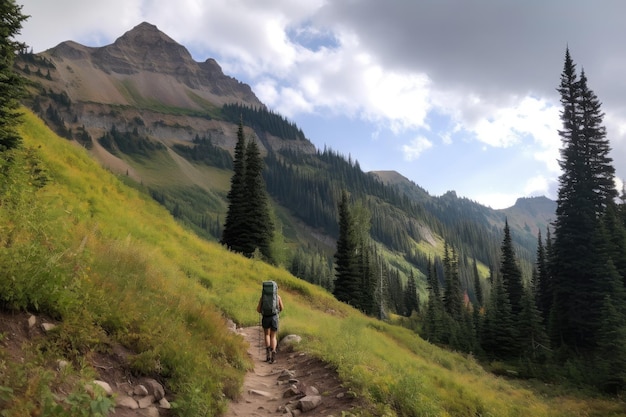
{"x":149,"y":112}
{"x":143,"y":66}
{"x":121,"y":270}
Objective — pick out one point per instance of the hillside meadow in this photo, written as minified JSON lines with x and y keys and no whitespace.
{"x":112,"y":266}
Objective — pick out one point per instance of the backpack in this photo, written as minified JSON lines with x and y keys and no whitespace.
{"x":269,"y":298}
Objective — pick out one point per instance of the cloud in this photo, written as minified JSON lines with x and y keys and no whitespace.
{"x":472,"y":74}
{"x":416,"y":147}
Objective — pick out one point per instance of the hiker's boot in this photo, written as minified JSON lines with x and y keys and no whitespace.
{"x":268,"y":354}
{"x":273,"y":357}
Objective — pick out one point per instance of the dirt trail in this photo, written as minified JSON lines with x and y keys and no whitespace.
{"x":263,"y":392}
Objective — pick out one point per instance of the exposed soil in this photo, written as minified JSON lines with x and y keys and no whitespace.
{"x":262,"y":394}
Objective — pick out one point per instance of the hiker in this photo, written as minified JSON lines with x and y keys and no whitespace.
{"x":270,"y":305}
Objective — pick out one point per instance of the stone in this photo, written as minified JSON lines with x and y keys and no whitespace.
{"x":309,"y":402}
{"x":105,"y":387}
{"x":32,"y":320}
{"x":259,"y":393}
{"x":140,"y":390}
{"x":62,"y":364}
{"x":154,"y":388}
{"x":145,"y":402}
{"x":48,"y":326}
{"x":151,"y":411}
{"x":124,"y":401}
{"x":286,"y":375}
{"x":292,"y":391}
{"x":288,"y":341}
{"x":163,"y":403}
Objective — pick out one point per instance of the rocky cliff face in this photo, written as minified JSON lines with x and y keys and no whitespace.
{"x":143,"y":82}
{"x":145,"y":64}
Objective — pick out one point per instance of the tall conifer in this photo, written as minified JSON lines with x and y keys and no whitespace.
{"x":233,"y":233}
{"x":510,"y":272}
{"x":347,"y":276}
{"x":411,"y":302}
{"x":543,"y":293}
{"x":453,"y":294}
{"x":249,"y":226}
{"x":258,"y":222}
{"x":586,"y":187}
{"x":11,"y":84}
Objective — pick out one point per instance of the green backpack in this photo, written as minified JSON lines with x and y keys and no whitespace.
{"x":269,"y":298}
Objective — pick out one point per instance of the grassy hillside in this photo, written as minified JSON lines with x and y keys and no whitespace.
{"x":112,"y":266}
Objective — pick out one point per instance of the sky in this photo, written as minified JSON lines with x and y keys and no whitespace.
{"x":455,"y":95}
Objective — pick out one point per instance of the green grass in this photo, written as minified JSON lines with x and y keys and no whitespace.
{"x":114,"y":267}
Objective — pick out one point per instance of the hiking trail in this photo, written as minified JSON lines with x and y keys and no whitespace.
{"x":278,"y":388}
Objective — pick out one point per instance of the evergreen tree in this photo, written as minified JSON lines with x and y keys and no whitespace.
{"x":510,"y":272}
{"x":533,"y":340}
{"x":347,"y":274}
{"x":257,"y":218}
{"x":249,"y":226}
{"x":434,"y":326}
{"x":11,"y":84}
{"x":615,"y":228}
{"x":453,"y":295}
{"x":234,"y":227}
{"x":478,"y":288}
{"x":611,"y":353}
{"x":499,"y":335}
{"x":585,"y":189}
{"x":411,"y":301}
{"x":543,"y":294}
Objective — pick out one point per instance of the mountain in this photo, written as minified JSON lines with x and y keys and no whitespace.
{"x":532,"y":214}
{"x":167,"y":125}
{"x":105,"y":286}
{"x":142,"y":66}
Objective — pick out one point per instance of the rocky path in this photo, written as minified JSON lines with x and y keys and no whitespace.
{"x":296,"y":384}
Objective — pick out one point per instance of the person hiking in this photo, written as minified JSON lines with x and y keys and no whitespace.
{"x":270,"y":305}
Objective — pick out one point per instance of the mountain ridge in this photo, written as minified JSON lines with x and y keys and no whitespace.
{"x":107,"y":99}
{"x":143,"y":55}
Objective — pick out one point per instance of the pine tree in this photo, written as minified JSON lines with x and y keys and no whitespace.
{"x":532,"y":338}
{"x":611,"y":353}
{"x":586,"y":187}
{"x":510,"y":272}
{"x":499,"y":335}
{"x":543,"y":293}
{"x":453,"y":295}
{"x":11,"y":84}
{"x":249,"y":226}
{"x":616,"y":234}
{"x":233,"y":232}
{"x":257,"y":219}
{"x":434,"y":317}
{"x":347,"y":274}
{"x":478,"y":288}
{"x":411,"y":302}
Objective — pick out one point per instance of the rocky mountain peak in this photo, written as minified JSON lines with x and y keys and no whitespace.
{"x":145,"y":48}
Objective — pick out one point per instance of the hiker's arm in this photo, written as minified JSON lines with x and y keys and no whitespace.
{"x":258,"y":306}
{"x":280,"y":303}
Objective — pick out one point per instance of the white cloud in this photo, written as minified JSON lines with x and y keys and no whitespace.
{"x":399,"y":66}
{"x":416,"y":147}
{"x":538,"y":185}
{"x":496,"y":200}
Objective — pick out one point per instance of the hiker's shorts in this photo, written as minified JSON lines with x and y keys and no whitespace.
{"x":270,"y":322}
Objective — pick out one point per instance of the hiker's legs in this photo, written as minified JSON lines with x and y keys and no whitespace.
{"x":268,"y":339}
{"x":268,"y":350}
{"x":273,"y":341}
